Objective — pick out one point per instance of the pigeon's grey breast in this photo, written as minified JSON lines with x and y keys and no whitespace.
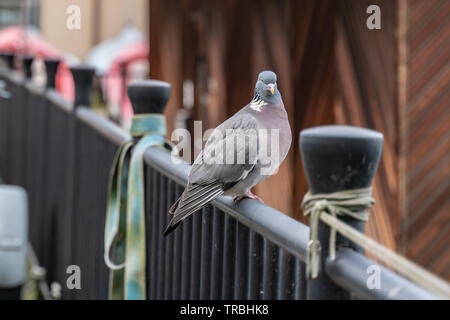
{"x":275,"y":117}
{"x":271,"y":121}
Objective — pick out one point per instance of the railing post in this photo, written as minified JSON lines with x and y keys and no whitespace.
{"x":27,"y":61}
{"x":82,"y":77}
{"x":123,"y":78}
{"x":3,"y":58}
{"x":149,"y":99}
{"x":337,"y":158}
{"x":149,"y":96}
{"x":51,"y":66}
{"x":9,"y":60}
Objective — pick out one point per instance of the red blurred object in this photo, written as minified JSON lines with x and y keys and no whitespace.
{"x":64,"y":82}
{"x":116,"y":78}
{"x":28,"y":41}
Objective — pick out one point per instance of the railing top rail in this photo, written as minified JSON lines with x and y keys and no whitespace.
{"x":59,"y":101}
{"x":351,"y":270}
{"x":12,"y":76}
{"x":107,"y":128}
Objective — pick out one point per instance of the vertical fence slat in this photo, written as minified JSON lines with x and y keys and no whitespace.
{"x":166,"y":188}
{"x":282,"y":275}
{"x":254,"y":266}
{"x":177,"y":252}
{"x":5,"y":109}
{"x":228,"y":258}
{"x":154,"y":225}
{"x":300,"y":281}
{"x":269,"y":270}
{"x":216,"y":258}
{"x":105,"y":163}
{"x":196,"y":253}
{"x":205,"y":268}
{"x":160,"y":257}
{"x":186,"y":258}
{"x":241,"y":267}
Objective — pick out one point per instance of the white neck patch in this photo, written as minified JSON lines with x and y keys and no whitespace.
{"x":257,"y":104}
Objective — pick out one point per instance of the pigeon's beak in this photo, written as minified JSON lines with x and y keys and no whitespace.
{"x":271,"y":88}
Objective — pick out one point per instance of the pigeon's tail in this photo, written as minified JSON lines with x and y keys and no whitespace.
{"x":193,"y":198}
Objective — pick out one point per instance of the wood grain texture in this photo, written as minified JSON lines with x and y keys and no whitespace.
{"x":425,"y":227}
{"x":396,"y":80}
{"x":366,"y":61}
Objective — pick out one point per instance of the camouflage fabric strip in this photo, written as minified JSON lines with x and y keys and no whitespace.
{"x":115,"y":226}
{"x":125,"y":215}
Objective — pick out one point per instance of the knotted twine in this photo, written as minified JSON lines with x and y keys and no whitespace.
{"x":351,"y":203}
{"x":125,"y":213}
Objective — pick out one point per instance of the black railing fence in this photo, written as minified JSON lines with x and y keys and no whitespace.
{"x":62,"y":154}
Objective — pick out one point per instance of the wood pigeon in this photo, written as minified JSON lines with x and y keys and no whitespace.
{"x":240,"y":153}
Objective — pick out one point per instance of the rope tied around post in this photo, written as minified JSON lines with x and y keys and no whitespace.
{"x":351,"y":203}
{"x":125,"y":215}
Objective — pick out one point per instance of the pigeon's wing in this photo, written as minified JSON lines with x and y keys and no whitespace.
{"x":193,"y":198}
{"x":230,"y":153}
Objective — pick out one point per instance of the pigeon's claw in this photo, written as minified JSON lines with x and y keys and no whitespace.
{"x":237,"y":199}
{"x":254,"y":196}
{"x":249,"y":195}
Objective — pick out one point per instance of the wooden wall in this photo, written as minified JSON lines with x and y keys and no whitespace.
{"x":396,"y":80}
{"x":425,"y":219}
{"x":367,"y":97}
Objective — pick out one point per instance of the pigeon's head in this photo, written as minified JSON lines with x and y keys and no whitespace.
{"x":266,"y":87}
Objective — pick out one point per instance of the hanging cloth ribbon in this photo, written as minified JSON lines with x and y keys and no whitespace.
{"x":125,"y":212}
{"x":351,"y":203}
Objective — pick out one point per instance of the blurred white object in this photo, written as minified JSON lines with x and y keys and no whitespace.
{"x":56,"y":289}
{"x":13,"y":236}
{"x":102,"y":55}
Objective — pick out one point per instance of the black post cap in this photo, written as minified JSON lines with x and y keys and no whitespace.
{"x":27,"y":61}
{"x":9,"y":59}
{"x":82,"y":77}
{"x":149,"y":96}
{"x":339,"y":158}
{"x":51,"y":66}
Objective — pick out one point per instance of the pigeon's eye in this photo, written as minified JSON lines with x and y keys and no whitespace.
{"x":262,"y":80}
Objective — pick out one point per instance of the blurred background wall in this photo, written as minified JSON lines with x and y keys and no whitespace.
{"x":100,"y":20}
{"x":13,"y":12}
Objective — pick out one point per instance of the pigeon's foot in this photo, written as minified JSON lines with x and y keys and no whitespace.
{"x":249,"y":195}
{"x":254,"y":197}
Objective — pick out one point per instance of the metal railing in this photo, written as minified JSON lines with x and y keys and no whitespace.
{"x":62,"y":155}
